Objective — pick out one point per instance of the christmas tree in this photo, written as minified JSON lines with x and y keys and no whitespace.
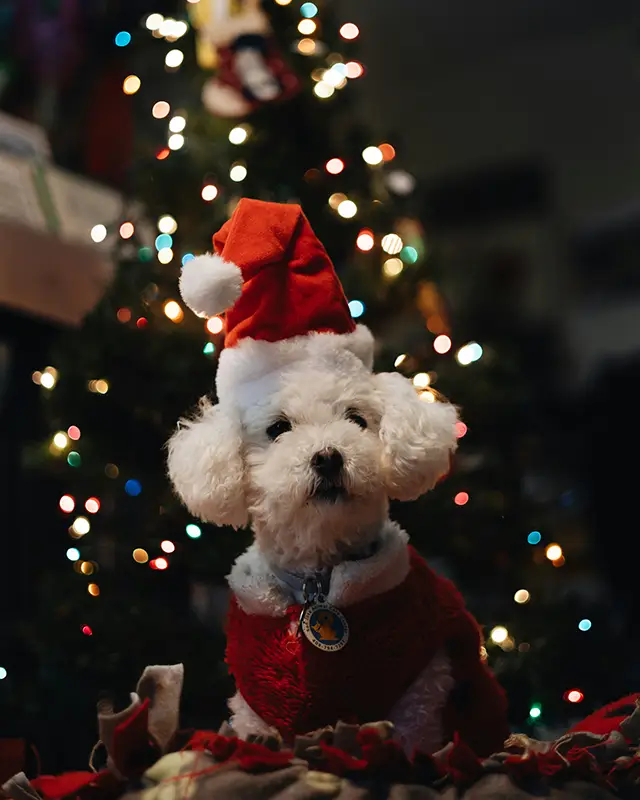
{"x":189,"y":110}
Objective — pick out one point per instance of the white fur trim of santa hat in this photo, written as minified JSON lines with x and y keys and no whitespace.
{"x":210,"y":285}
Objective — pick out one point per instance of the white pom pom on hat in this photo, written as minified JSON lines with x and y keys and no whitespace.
{"x":210,"y":285}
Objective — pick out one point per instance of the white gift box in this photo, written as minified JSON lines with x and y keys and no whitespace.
{"x":49,"y":265}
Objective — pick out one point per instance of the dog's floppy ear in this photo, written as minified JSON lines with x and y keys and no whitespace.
{"x":419,"y":438}
{"x":206,"y":465}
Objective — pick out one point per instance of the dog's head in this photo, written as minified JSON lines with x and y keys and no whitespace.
{"x":310,"y":456}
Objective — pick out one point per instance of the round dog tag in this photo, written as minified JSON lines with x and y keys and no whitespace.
{"x":325,"y":627}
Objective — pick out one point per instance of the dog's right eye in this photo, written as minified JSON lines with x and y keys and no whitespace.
{"x":279,"y":427}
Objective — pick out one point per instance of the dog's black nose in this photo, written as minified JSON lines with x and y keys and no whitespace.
{"x":327,"y":463}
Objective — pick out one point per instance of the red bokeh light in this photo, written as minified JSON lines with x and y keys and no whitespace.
{"x":162,"y":154}
{"x":574,"y":696}
{"x":461,"y":429}
{"x":67,"y":503}
{"x":87,"y":630}
{"x":334,"y":166}
{"x":158,"y":563}
{"x":388,"y":151}
{"x":73,"y":432}
{"x":123,"y":315}
{"x":461,"y":499}
{"x":142,"y":323}
{"x":92,"y":505}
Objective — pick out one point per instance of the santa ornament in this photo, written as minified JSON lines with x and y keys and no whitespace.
{"x":235,"y":38}
{"x":333,"y":616}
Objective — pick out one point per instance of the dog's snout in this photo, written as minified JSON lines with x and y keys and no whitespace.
{"x":327,"y":463}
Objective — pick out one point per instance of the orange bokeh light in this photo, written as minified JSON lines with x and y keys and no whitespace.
{"x":214,"y":325}
{"x":461,"y":499}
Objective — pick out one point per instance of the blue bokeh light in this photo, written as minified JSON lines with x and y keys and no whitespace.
{"x":584,"y":625}
{"x":164,"y":240}
{"x":356,"y":307}
{"x":122,"y":39}
{"x":209,"y":349}
{"x":186,"y":258}
{"x":133,"y":487}
{"x":193,"y":531}
{"x":308,"y":10}
{"x":535,"y":537}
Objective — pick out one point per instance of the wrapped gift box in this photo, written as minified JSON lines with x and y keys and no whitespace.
{"x":49,"y":265}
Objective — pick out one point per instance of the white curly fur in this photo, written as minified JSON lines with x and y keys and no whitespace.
{"x":206,"y":466}
{"x":210,"y":285}
{"x":245,"y":721}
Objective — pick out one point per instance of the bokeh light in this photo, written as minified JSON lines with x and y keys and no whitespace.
{"x":214,"y":325}
{"x":334,"y":166}
{"x":535,"y":711}
{"x":522,"y":596}
{"x":354,"y":69}
{"x":461,"y":498}
{"x":140,"y":556}
{"x":133,"y":487}
{"x":131,"y":84}
{"x":238,"y":172}
{"x":86,"y":630}
{"x":209,"y":192}
{"x":356,"y":308}
{"x":574,"y":696}
{"x":308,"y":10}
{"x":469,"y":353}
{"x":127,"y":230}
{"x":553,"y":552}
{"x":73,"y":554}
{"x":173,"y":311}
{"x":67,"y":503}
{"x":387,"y":150}
{"x":421,"y":380}
{"x":392,"y":244}
{"x":93,"y":589}
{"x":499,"y":634}
{"x":98,"y":233}
{"x":347,"y":209}
{"x":584,"y":625}
{"x":174,"y":58}
{"x":175,"y":141}
{"x":392,"y":267}
{"x":238,"y":135}
{"x":159,"y":563}
{"x":349,"y":31}
{"x":161,"y":109}
{"x":461,"y":429}
{"x":92,"y":505}
{"x":535,"y":537}
{"x":122,"y":39}
{"x":81,"y":526}
{"x":177,"y":124}
{"x":307,"y":27}
{"x":372,"y":156}
{"x":193,"y":531}
{"x":167,"y":547}
{"x":365,"y":241}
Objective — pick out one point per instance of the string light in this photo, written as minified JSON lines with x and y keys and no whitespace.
{"x":535,"y":537}
{"x":553,"y":552}
{"x":373,"y":156}
{"x":131,"y":84}
{"x":307,"y":27}
{"x":461,"y":499}
{"x":67,"y":503}
{"x":469,"y":353}
{"x":167,"y":546}
{"x":98,"y":233}
{"x":193,"y":531}
{"x":126,"y":230}
{"x":308,"y":10}
{"x":133,"y":487}
{"x":47,"y":380}
{"x":122,"y":39}
{"x":238,"y":135}
{"x":442,"y":344}
{"x":365,"y":240}
{"x":522,"y":596}
{"x":60,"y":440}
{"x":214,"y":325}
{"x":347,"y":209}
{"x":353,"y":69}
{"x":165,"y":255}
{"x":81,"y":526}
{"x":349,"y":31}
{"x":173,"y":311}
{"x":392,"y":244}
{"x":388,"y":151}
{"x":174,"y":58}
{"x":323,"y":90}
{"x":92,"y":505}
{"x":177,"y":124}
{"x":574,"y":696}
{"x":175,"y":141}
{"x":161,"y":109}
{"x":86,"y":630}
{"x":392,"y":267}
{"x":306,"y":47}
{"x":399,"y":359}
{"x":154,"y":21}
{"x":140,"y":556}
{"x":73,"y":554}
{"x":499,"y":634}
{"x":421,"y":380}
{"x":238,"y":173}
{"x":584,"y":625}
{"x":334,"y":166}
{"x":535,"y":711}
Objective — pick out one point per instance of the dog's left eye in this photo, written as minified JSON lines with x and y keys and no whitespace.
{"x":354,"y":416}
{"x":279,"y":427}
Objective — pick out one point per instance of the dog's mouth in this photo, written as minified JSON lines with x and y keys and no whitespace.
{"x":328,"y":492}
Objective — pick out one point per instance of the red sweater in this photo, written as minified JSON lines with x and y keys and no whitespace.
{"x":296,"y":688}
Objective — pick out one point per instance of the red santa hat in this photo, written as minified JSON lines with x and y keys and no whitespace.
{"x":282,"y":297}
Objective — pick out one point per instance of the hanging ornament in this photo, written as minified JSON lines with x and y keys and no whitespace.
{"x":235,"y":38}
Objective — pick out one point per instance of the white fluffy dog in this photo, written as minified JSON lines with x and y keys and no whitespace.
{"x":307,"y":445}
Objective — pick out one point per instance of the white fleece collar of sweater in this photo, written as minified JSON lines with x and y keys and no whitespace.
{"x":258,"y":590}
